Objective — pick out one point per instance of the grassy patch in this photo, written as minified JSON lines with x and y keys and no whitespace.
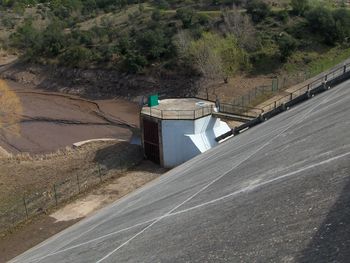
{"x":314,"y":63}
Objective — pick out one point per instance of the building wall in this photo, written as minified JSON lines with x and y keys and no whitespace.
{"x":177,"y":148}
{"x":184,"y":139}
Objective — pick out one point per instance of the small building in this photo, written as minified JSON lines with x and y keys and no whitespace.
{"x":176,"y":130}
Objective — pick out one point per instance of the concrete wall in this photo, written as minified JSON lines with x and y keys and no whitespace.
{"x":184,"y":139}
{"x":176,"y":148}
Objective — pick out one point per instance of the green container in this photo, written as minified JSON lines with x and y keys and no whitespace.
{"x":153,"y":101}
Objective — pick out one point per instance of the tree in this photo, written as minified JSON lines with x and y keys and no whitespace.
{"x":300,"y":6}
{"x":10,"y":110}
{"x":217,"y":57}
{"x":321,"y":20}
{"x":241,"y":27}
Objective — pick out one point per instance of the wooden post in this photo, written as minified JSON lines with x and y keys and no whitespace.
{"x":99,"y":172}
{"x":78,"y":183}
{"x":25,"y":205}
{"x":55,"y":192}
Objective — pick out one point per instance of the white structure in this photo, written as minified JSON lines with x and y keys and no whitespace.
{"x":177,"y":130}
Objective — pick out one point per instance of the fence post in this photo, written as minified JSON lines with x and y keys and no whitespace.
{"x":55,"y":192}
{"x":25,"y":205}
{"x":275,"y":104}
{"x":291,"y":96}
{"x":78,"y":183}
{"x":99,"y":172}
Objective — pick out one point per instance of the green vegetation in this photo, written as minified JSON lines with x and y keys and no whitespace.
{"x":134,"y":36}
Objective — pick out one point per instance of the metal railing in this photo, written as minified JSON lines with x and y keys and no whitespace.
{"x":319,"y":82}
{"x":179,"y":114}
{"x":319,"y":85}
{"x":244,"y":111}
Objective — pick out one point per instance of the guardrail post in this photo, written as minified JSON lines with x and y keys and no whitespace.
{"x":25,"y":206}
{"x":308,"y":87}
{"x":275,"y":104}
{"x":344,"y":69}
{"x":325,"y":78}
{"x":291,"y":96}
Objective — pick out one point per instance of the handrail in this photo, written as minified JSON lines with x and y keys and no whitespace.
{"x":313,"y":84}
{"x":179,"y":114}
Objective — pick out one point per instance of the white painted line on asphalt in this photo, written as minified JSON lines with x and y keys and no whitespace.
{"x":93,"y":240}
{"x":245,"y":189}
{"x":161,"y":179}
{"x":253,"y":187}
{"x":304,"y":116}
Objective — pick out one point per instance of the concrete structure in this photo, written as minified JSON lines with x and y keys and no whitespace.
{"x":279,"y":192}
{"x":177,"y":130}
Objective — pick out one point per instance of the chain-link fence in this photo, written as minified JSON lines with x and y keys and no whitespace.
{"x":26,"y":205}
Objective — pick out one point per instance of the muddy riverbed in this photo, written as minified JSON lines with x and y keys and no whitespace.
{"x":51,"y":121}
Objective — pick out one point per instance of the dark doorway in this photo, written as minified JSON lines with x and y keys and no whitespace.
{"x":151,"y":140}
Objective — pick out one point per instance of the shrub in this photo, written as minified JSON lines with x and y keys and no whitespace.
{"x":300,"y":6}
{"x":186,"y":16}
{"x":258,"y":9}
{"x":287,"y":45}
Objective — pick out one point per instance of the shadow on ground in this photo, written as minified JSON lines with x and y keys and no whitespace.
{"x":117,"y":155}
{"x":332,"y":241}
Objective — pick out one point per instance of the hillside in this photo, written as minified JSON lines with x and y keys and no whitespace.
{"x":197,"y":45}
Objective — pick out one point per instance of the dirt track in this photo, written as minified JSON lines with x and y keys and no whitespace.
{"x":52,"y":120}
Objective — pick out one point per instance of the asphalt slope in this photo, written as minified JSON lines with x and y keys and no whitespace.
{"x":279,"y":192}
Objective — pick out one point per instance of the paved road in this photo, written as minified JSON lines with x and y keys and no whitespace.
{"x":279,"y":192}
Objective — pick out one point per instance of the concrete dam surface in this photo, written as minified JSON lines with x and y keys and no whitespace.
{"x":279,"y":192}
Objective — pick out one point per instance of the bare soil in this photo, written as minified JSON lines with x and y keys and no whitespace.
{"x":236,"y":87}
{"x":45,"y":226}
{"x":52,"y":121}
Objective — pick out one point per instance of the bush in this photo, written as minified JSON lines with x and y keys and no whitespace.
{"x":76,"y":56}
{"x":134,"y":62}
{"x":300,"y":6}
{"x":258,"y":9}
{"x":332,"y":26}
{"x":342,"y":24}
{"x":186,"y":16}
{"x":287,"y":45}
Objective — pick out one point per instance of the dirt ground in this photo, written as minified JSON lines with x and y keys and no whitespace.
{"x":236,"y":87}
{"x":45,"y":226}
{"x":52,"y":121}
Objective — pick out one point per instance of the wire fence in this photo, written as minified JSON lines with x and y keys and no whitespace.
{"x":252,"y":95}
{"x":246,"y":104}
{"x":26,"y":205}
